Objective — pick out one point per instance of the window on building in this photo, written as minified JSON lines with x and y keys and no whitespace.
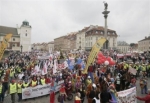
{"x":91,"y":43}
{"x":108,"y":33}
{"x":91,"y":38}
{"x":26,"y":30}
{"x":13,"y":39}
{"x":13,"y":45}
{"x":26,"y":34}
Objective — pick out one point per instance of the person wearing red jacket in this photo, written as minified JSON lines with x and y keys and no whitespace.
{"x":47,"y":80}
{"x":52,"y":96}
{"x":146,"y":98}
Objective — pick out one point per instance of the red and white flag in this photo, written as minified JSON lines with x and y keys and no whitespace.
{"x":44,"y":71}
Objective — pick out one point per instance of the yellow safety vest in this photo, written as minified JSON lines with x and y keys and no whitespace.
{"x":13,"y":88}
{"x":137,"y":67}
{"x":43,"y":81}
{"x":19,"y":88}
{"x":88,"y":81}
{"x":143,"y":68}
{"x":1,"y":88}
{"x":34,"y":83}
{"x":11,"y":73}
{"x":25,"y":85}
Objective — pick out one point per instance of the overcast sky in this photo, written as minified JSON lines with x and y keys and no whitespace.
{"x":53,"y":18}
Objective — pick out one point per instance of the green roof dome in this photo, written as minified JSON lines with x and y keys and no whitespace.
{"x":25,"y":22}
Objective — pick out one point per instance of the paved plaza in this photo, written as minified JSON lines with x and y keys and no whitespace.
{"x":45,"y":99}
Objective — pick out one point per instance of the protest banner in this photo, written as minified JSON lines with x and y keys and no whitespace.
{"x":37,"y":91}
{"x":40,"y":90}
{"x":4,"y":44}
{"x":95,"y":49}
{"x":132,"y":70}
{"x":127,"y":96}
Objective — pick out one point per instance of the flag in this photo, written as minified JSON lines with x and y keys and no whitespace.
{"x":71,"y":63}
{"x":55,"y":66}
{"x":44,"y":70}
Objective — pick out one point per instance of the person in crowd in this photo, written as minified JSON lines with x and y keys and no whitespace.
{"x":78,"y":83}
{"x":68,"y":88}
{"x":19,"y":90}
{"x":96,"y":99}
{"x":12,"y":90}
{"x":105,"y":96}
{"x":1,"y":92}
{"x":12,"y":73}
{"x":25,"y":84}
{"x":52,"y":96}
{"x":47,"y":79}
{"x":42,"y":80}
{"x":5,"y":80}
{"x":146,"y":98}
{"x":90,"y":72}
{"x":77,"y":98}
{"x":33,"y":82}
{"x":82,"y":92}
{"x":92,"y":93}
{"x":88,"y":81}
{"x":144,"y":88}
{"x":62,"y":92}
{"x":118,"y":82}
{"x":133,"y":83}
{"x":73,"y":82}
{"x":113,"y":93}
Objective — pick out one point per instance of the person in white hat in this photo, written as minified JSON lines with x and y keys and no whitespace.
{"x":88,"y":81}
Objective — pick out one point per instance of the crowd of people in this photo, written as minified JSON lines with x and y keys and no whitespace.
{"x":99,"y":85}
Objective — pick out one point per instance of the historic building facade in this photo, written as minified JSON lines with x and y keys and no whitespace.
{"x":96,"y":32}
{"x":123,"y":47}
{"x":144,"y":44}
{"x":21,"y":37}
{"x":84,"y":39}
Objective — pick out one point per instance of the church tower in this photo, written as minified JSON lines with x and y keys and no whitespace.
{"x":25,"y":36}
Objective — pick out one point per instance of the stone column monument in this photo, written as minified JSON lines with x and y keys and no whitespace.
{"x":105,"y":12}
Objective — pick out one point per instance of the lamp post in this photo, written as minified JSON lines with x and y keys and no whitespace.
{"x":21,"y":48}
{"x":105,"y":12}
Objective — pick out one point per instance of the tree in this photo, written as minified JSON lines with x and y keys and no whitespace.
{"x":132,"y":44}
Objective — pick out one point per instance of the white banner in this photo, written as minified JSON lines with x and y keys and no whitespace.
{"x":39,"y":90}
{"x":127,"y":96}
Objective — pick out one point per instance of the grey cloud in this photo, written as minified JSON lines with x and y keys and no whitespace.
{"x":53,"y":18}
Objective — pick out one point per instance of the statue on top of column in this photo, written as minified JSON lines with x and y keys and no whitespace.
{"x":106,"y":5}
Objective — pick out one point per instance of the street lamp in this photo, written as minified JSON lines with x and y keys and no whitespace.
{"x":21,"y":48}
{"x":105,"y":12}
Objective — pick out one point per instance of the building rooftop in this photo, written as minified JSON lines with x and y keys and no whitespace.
{"x":6,"y":30}
{"x":146,"y":38}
